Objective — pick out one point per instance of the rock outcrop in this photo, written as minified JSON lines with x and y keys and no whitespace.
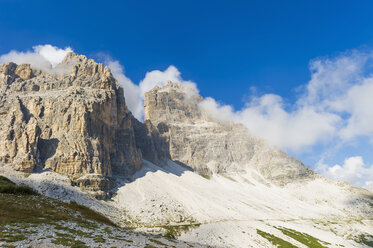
{"x":72,"y":120}
{"x":195,"y":138}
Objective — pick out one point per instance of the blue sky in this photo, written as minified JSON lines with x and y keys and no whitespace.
{"x":266,"y":44}
{"x":233,"y":50}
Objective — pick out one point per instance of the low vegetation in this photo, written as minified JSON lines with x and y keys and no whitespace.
{"x":8,"y":187}
{"x":23,"y":209}
{"x":365,"y":239}
{"x":228,"y":177}
{"x":68,"y":240}
{"x":25,"y":214}
{"x":278,"y":242}
{"x":303,"y":238}
{"x":174,"y":231}
{"x":207,"y":176}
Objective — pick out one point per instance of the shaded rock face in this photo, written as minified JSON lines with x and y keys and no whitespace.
{"x":74,"y":123}
{"x":153,"y":145}
{"x":194,"y":138}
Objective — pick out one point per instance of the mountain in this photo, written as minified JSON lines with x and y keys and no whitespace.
{"x":183,"y":173}
{"x":75,"y":123}
{"x":197,"y":139}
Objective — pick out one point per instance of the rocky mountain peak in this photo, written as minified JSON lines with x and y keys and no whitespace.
{"x":174,"y":102}
{"x":75,"y":70}
{"x":71,"y":119}
{"x":196,"y":139}
{"x":81,"y":66}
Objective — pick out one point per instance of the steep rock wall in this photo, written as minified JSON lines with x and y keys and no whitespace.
{"x":74,"y":123}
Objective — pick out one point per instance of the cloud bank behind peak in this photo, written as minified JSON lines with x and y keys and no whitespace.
{"x":43,"y":57}
{"x":134,"y":93}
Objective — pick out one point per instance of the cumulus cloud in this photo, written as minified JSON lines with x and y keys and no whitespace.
{"x":344,"y":85}
{"x":353,"y":170}
{"x":266,"y":117}
{"x":159,"y":78}
{"x":330,"y":77}
{"x":43,"y":57}
{"x":335,"y":104}
{"x":356,"y":102}
{"x":134,"y":93}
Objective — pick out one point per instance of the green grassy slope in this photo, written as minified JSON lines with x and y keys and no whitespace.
{"x":30,"y":219}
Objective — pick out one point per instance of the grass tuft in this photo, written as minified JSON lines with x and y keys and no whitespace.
{"x":278,"y":242}
{"x":303,"y":238}
{"x":17,"y":190}
{"x":172,"y":232}
{"x":9,"y":187}
{"x":89,"y":213}
{"x":4,"y":180}
{"x":207,"y":176}
{"x":366,"y":240}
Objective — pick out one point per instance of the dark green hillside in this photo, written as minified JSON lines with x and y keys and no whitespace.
{"x":30,"y":219}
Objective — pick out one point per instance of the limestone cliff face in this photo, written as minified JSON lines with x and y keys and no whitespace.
{"x":196,"y":139}
{"x":74,"y":123}
{"x":73,"y":119}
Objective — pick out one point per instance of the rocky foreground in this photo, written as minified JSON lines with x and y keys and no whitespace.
{"x":68,"y":133}
{"x":28,"y":219}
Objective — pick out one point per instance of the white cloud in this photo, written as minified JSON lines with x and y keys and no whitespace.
{"x":134,"y":94}
{"x":159,"y":78}
{"x":266,"y":117}
{"x":43,"y":57}
{"x":344,"y":86}
{"x":369,"y":186}
{"x":357,"y":102}
{"x":52,"y":54}
{"x":353,"y":171}
{"x":330,"y":77}
{"x":335,"y":104}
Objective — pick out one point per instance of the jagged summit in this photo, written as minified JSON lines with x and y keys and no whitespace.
{"x":176,"y":103}
{"x":74,"y":71}
{"x":74,"y":122}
